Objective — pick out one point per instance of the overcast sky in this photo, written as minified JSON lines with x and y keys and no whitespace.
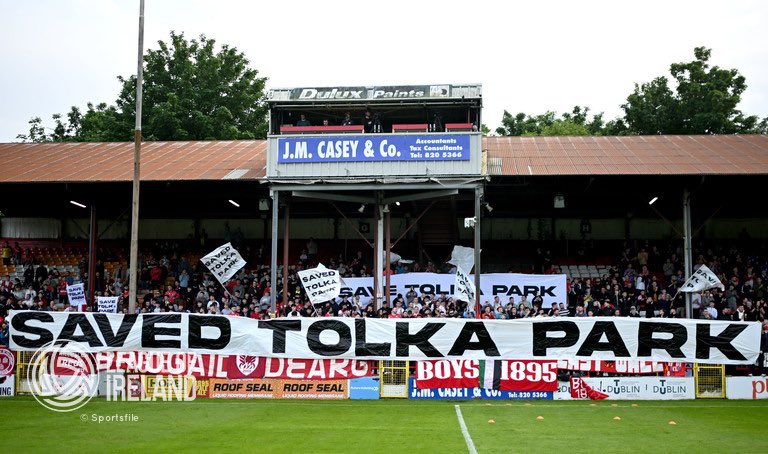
{"x":530,"y":56}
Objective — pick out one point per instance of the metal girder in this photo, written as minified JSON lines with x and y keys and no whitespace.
{"x":376,"y":187}
{"x":420,"y":196}
{"x":336,"y":197}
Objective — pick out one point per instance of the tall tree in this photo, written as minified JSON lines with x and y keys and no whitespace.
{"x":704,"y":101}
{"x":192,"y":91}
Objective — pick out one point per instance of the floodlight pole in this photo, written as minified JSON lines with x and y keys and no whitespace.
{"x":478,"y":232}
{"x":134,"y":254}
{"x":286,"y":247}
{"x":687,"y":253}
{"x":92,"y":237}
{"x":379,"y":254}
{"x":388,"y":256}
{"x":273,"y":259}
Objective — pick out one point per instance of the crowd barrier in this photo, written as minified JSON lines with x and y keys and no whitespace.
{"x":152,"y":375}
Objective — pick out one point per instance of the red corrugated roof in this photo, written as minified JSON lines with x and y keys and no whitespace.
{"x":628,"y":155}
{"x":508,"y":156}
{"x":160,"y":161}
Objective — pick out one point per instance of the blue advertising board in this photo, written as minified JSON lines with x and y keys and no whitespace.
{"x":374,"y":148}
{"x":364,"y":388}
{"x":473,"y":393}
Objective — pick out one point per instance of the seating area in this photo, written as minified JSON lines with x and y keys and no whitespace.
{"x":64,"y":259}
{"x":584,"y":271}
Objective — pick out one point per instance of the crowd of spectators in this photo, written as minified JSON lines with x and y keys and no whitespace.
{"x":643,"y":281}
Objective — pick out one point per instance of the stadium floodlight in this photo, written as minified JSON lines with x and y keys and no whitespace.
{"x":488,"y":207}
{"x":361,"y":209}
{"x":77,"y":204}
{"x":653,"y":200}
{"x":234,"y":203}
{"x":397,"y":203}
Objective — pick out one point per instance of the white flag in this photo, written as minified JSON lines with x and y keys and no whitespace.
{"x":463,"y":257}
{"x":107,"y":304}
{"x":465,"y":286}
{"x":223,"y":262}
{"x":76,"y":294}
{"x":321,"y":284}
{"x":701,"y":279}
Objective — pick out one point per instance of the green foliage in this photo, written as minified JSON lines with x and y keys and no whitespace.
{"x":704,"y":101}
{"x":564,"y":128}
{"x":575,"y":123}
{"x":191,"y":92}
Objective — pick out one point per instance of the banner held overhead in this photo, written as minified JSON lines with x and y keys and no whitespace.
{"x":224,"y":262}
{"x":321,"y":283}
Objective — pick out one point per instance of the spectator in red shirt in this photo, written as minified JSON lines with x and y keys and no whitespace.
{"x":172,"y":294}
{"x":156,"y":275}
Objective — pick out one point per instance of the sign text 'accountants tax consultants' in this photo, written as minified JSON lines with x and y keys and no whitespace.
{"x":374,"y":148}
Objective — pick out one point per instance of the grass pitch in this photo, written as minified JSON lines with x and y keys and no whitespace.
{"x":391,"y":426}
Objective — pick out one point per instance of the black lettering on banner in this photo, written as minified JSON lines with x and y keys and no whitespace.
{"x":542,"y":342}
{"x":149,"y":331}
{"x":196,"y":339}
{"x":547,"y":290}
{"x":646,"y":343}
{"x":279,"y":327}
{"x":484,"y":340}
{"x":319,"y":348}
{"x":363,"y":348}
{"x":404,"y":339}
{"x":499,"y":289}
{"x":19,"y":323}
{"x":530,"y":290}
{"x":614,"y":343}
{"x":115,"y":339}
{"x":70,"y":326}
{"x":722,"y":342}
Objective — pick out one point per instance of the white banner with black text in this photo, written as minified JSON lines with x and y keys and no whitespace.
{"x":551,"y":287}
{"x":606,"y":338}
{"x":224,"y":262}
{"x":320,"y":284}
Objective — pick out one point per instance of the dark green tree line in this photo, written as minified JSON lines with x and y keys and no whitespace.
{"x":192,"y":91}
{"x":702,"y":99}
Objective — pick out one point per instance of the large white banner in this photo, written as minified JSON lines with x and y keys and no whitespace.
{"x":746,"y":387}
{"x":76,"y":294}
{"x":608,"y":338}
{"x":551,"y":287}
{"x":635,"y":388}
{"x":320,"y":284}
{"x":107,"y":304}
{"x":224,"y":261}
